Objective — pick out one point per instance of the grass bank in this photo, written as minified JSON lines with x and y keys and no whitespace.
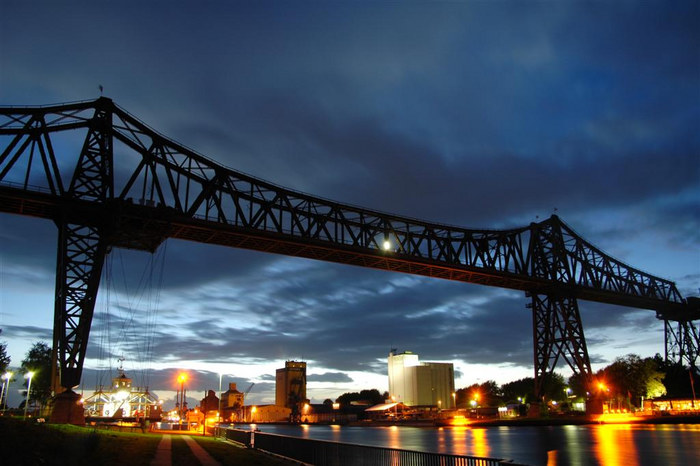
{"x":29,"y":443}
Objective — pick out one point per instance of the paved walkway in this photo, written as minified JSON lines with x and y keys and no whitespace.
{"x":200,"y":452}
{"x":164,"y":456}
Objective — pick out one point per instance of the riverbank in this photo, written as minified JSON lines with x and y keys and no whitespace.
{"x":548,"y":421}
{"x":586,"y":420}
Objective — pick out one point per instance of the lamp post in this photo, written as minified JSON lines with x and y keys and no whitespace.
{"x":218,"y":419}
{"x":29,"y":376}
{"x":182,"y":379}
{"x":5,"y":389}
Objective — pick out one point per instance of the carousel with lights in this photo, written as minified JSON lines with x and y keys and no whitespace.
{"x":123,"y":401}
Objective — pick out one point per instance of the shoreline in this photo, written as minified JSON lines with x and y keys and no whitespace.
{"x":554,"y":421}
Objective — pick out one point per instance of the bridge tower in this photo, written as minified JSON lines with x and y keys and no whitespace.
{"x":556,"y":320}
{"x":82,"y":247}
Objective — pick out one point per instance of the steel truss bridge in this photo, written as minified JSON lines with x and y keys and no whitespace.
{"x":131,"y":187}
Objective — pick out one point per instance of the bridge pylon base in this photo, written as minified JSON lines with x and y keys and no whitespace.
{"x":67,"y":409}
{"x":535,"y":410}
{"x":594,"y":406}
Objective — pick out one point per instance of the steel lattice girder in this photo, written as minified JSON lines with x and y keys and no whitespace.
{"x":167,"y":190}
{"x":682,"y":342}
{"x":81,"y":254}
{"x":557,"y":332}
{"x":207,"y":202}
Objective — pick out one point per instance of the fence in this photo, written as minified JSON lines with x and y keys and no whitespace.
{"x":325,"y":453}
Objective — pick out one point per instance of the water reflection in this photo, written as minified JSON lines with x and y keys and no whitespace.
{"x":615,"y":445}
{"x":607,"y":444}
{"x":394,"y":437}
{"x":480,"y":443}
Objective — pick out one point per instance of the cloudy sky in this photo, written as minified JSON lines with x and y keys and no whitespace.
{"x":478,"y":114}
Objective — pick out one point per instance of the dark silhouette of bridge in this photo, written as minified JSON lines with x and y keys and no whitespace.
{"x":131,"y":187}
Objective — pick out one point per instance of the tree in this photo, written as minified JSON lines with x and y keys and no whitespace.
{"x":4,"y":358}
{"x":555,"y":387}
{"x":4,"y":364}
{"x":485,"y":394}
{"x":523,"y":389}
{"x":579,"y":385}
{"x":38,"y":361}
{"x":370,"y":397}
{"x":680,"y":381}
{"x":630,"y":378}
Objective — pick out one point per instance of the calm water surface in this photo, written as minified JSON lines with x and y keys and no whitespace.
{"x":608,"y":444}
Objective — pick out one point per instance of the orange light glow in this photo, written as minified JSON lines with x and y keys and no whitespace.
{"x":182,"y":378}
{"x":459,"y":420}
{"x":607,"y":445}
{"x":616,"y":418}
{"x":480,"y":443}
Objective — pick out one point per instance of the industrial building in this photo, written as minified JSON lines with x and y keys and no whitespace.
{"x":290,"y":388}
{"x":416,"y":383}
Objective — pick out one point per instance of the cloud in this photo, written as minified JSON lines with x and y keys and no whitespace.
{"x":28,"y":332}
{"x":334,"y":377}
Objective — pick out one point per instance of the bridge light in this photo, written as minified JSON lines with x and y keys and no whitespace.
{"x":386,"y":245}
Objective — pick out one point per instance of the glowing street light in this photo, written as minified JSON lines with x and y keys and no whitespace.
{"x":454,"y":399}
{"x":182,"y":378}
{"x":218,"y":414}
{"x":29,"y":376}
{"x":5,"y":389}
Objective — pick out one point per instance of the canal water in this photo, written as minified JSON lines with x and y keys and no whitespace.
{"x":606,"y":444}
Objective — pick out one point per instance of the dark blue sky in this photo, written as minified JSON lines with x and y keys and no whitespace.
{"x":478,"y":114}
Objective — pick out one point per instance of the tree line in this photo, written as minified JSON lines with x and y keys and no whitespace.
{"x":628,"y":381}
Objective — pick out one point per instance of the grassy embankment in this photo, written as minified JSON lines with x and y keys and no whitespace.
{"x":27,"y":443}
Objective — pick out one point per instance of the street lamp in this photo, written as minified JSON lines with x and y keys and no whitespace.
{"x":454,"y":399}
{"x":218,"y":417}
{"x":29,"y":376}
{"x":5,"y":389}
{"x":182,"y":378}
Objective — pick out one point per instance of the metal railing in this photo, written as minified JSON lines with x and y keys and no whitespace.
{"x":325,"y":453}
{"x":236,"y":435}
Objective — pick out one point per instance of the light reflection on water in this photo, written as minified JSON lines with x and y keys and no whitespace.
{"x":607,"y":444}
{"x":608,"y":438}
